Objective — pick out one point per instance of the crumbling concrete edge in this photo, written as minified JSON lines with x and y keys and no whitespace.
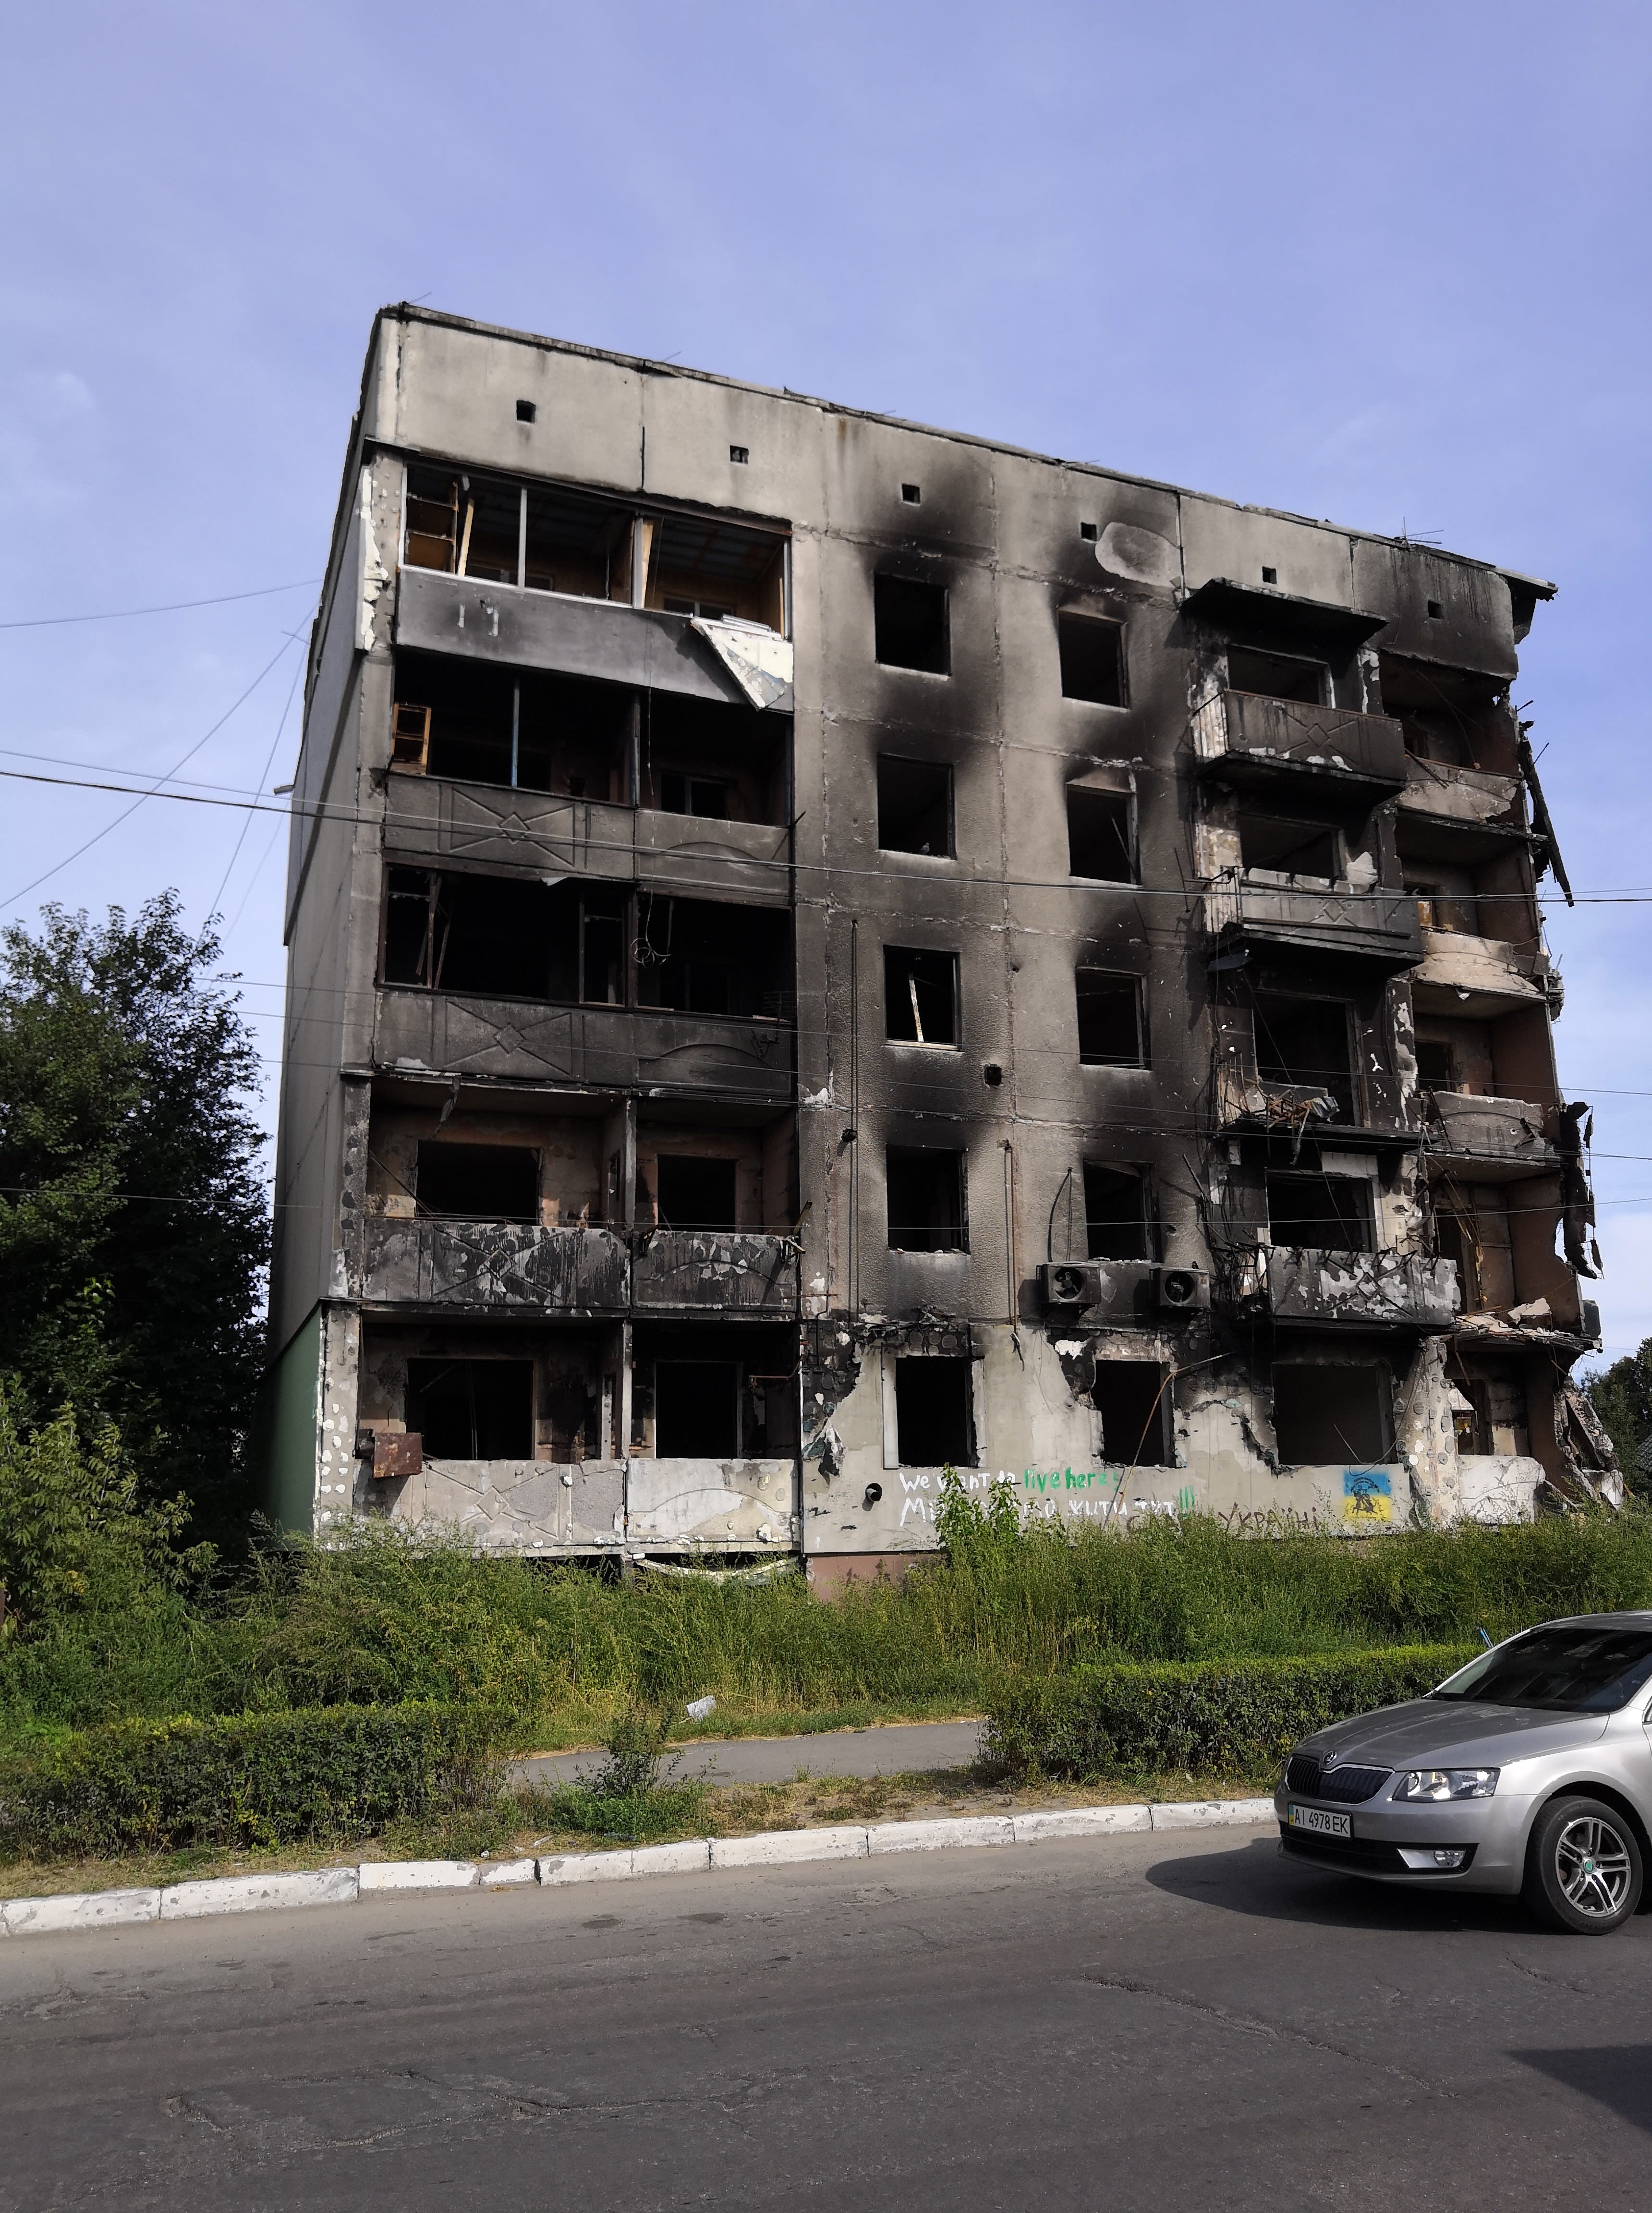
{"x":191,"y":1901}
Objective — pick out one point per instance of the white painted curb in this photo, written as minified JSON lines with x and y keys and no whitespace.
{"x":185,"y":1901}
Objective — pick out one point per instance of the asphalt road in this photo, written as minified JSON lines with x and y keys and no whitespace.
{"x":1155,"y":2021}
{"x":898,"y":1748}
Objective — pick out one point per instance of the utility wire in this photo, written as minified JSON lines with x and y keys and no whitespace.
{"x":171,"y":607}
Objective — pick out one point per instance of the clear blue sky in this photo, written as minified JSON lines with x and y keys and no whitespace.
{"x":1385,"y":265}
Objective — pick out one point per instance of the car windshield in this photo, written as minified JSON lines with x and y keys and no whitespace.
{"x":1578,"y":1667}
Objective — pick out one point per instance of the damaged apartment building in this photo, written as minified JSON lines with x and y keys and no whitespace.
{"x":821,"y":950}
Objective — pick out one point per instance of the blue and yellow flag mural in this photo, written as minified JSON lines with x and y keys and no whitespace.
{"x":1366,"y":1496}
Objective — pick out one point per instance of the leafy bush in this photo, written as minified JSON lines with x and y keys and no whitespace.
{"x":247,"y":1779}
{"x":1225,"y":1717}
{"x":70,"y":1516}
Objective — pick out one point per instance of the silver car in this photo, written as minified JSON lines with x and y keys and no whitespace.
{"x":1529,"y":1771}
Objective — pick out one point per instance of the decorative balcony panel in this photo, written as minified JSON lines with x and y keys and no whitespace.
{"x":726,"y":1504}
{"x":435,"y":818}
{"x":1379,"y":929}
{"x":1487,"y":1140}
{"x":1327,"y":1290}
{"x":586,"y":1048}
{"x":711,"y":1272}
{"x":491,"y":1267}
{"x":1258,"y":739}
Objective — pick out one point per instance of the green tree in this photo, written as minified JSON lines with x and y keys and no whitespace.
{"x":134,"y":1224}
{"x":1622,"y":1396}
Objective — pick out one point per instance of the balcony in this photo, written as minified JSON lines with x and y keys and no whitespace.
{"x":1479,"y":979}
{"x":435,"y":819}
{"x":1468,"y":798}
{"x":618,"y":644}
{"x":1300,"y":1285}
{"x":1257,"y":740}
{"x":585,"y":1048}
{"x":493,"y":1266}
{"x":1378,"y":930}
{"x":1481,"y":1140}
{"x":714,"y":1272}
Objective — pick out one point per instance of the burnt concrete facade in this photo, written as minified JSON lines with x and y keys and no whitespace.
{"x":821,"y":949}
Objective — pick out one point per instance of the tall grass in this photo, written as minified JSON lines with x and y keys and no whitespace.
{"x":383,"y":1616}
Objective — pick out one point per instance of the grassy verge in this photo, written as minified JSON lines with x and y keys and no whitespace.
{"x":523,"y":1823}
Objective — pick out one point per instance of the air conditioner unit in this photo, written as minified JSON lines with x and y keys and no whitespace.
{"x":1068,"y":1284}
{"x":1179,"y":1290}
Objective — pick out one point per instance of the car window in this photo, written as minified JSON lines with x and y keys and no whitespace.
{"x":1576,"y":1668}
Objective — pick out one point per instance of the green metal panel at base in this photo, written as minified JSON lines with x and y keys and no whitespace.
{"x":290,"y":1410}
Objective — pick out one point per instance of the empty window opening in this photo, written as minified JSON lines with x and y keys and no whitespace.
{"x":697,"y":1410}
{"x":697,"y":957}
{"x":1110,"y":1026}
{"x":718,"y":571}
{"x":1454,"y":717}
{"x":1116,"y":1213}
{"x":1086,"y":532}
{"x":1456,"y":1238}
{"x":1100,"y":840}
{"x":1277,"y":675}
{"x":463,"y":933}
{"x":1327,"y":1414}
{"x":472,"y":1409}
{"x":695,"y":1193}
{"x":704,"y":795}
{"x":1133,"y":1400}
{"x":914,"y":805}
{"x":910,"y":621}
{"x":1436,"y":1066}
{"x":1289,"y":848}
{"x":926,"y":1200}
{"x":920,"y":995}
{"x":581,"y":547}
{"x":526,"y":411}
{"x":1436,"y":610}
{"x":1304,"y":1043}
{"x":722,"y":762}
{"x":1269,"y":576}
{"x":740,"y":455}
{"x":1092,"y":660}
{"x":1326,"y":1213}
{"x":935,"y":1412}
{"x":539,"y":732}
{"x":911,"y":494}
{"x":1445,"y":899}
{"x":478,"y":1183}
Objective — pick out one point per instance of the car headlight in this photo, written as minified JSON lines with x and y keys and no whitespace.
{"x":1436,"y":1784}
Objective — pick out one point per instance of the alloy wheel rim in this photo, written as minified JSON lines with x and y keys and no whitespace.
{"x":1592,"y":1862}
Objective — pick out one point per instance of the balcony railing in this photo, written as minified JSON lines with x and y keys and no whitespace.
{"x":1488,"y":1140}
{"x":703,"y":1270}
{"x":1470,"y":796}
{"x":1303,"y":1284}
{"x":493,"y":1265}
{"x":1378,"y":929}
{"x":593,"y":1048}
{"x":1259,"y":738}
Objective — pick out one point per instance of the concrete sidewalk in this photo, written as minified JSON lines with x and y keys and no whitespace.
{"x":903,"y":1748}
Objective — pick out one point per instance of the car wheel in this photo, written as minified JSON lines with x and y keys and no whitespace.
{"x":1583,"y":1867}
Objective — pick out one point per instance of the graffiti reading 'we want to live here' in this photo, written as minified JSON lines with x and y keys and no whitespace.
{"x":1095,"y":1493}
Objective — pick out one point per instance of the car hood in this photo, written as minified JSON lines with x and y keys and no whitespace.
{"x":1453,"y":1733}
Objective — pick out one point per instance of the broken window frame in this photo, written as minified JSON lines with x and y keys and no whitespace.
{"x":1331,"y":832}
{"x":1087,"y":793}
{"x":521,"y":1161}
{"x":959,"y":1227}
{"x":903,"y":995}
{"x":1153,"y":1441}
{"x":632,"y":556}
{"x":1322,"y":674}
{"x":960,"y":1372}
{"x":1138,"y":990}
{"x":1077,"y":633}
{"x":1364,"y":1206}
{"x":889,"y":624}
{"x":470,"y":1365}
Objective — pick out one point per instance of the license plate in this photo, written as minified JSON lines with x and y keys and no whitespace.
{"x":1318,"y":1823}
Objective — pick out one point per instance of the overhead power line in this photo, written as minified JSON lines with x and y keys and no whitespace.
{"x":170,"y":607}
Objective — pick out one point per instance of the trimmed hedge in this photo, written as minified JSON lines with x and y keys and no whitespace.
{"x":266,"y":1778}
{"x":1214,"y":1717}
